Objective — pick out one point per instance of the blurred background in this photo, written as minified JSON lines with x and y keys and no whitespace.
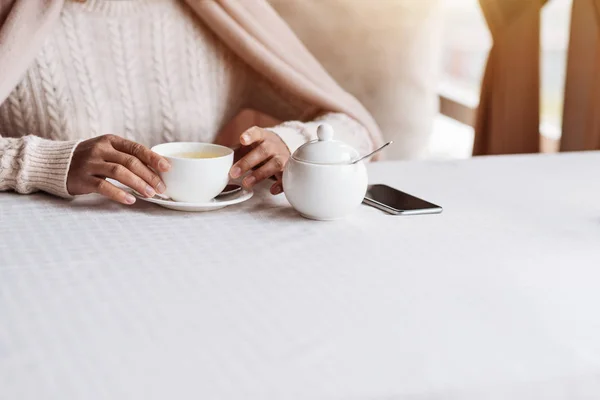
{"x":417,"y":63}
{"x":466,"y":42}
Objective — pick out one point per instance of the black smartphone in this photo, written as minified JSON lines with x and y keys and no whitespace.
{"x":396,"y":202}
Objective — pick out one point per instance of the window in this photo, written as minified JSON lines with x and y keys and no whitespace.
{"x":467,"y":42}
{"x":555,"y":42}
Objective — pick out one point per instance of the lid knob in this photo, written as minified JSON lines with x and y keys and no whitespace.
{"x":325,"y":132}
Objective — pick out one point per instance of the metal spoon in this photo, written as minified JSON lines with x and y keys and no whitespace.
{"x":373,"y":152}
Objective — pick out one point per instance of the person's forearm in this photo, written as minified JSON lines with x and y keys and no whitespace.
{"x":346,"y":129}
{"x":31,"y":164}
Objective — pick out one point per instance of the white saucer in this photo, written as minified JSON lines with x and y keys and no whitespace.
{"x":212,"y":205}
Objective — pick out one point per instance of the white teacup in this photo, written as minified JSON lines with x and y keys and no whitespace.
{"x":193,"y":178}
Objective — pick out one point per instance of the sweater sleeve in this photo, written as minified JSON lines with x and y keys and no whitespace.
{"x":302,"y":119}
{"x":31,"y":164}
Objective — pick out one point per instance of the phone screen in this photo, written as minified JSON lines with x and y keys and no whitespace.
{"x":396,"y":199}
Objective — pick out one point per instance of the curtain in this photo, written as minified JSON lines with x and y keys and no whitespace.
{"x":508,"y":115}
{"x":581,"y":118}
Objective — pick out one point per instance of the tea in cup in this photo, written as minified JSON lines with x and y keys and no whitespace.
{"x":199,"y":171}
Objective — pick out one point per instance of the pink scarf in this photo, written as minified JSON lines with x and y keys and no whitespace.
{"x":251,"y":28}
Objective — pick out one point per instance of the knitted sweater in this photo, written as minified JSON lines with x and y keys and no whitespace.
{"x":147,"y":70}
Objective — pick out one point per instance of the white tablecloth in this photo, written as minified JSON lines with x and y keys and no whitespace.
{"x":496,"y":298}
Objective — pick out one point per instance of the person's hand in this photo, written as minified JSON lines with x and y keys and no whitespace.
{"x":266,"y":155}
{"x":111,"y":156}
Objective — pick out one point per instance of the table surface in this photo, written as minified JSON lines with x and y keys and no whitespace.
{"x":495,"y":298}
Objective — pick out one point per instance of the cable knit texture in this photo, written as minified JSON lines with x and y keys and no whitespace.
{"x":149,"y":71}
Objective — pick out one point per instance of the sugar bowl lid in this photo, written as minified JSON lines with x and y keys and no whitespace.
{"x":325,"y":150}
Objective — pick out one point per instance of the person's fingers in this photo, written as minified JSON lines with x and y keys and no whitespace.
{"x":136,"y":166}
{"x":252,"y":135}
{"x":272,"y":167}
{"x":278,"y":176}
{"x":240,"y":152}
{"x":141,"y":152}
{"x":277,"y":188}
{"x":122,"y":174}
{"x":250,"y":160}
{"x":109,"y":190}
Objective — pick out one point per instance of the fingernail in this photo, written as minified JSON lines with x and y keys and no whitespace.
{"x":249,"y":181}
{"x":245,"y":138}
{"x":277,"y":189}
{"x":129,"y":199}
{"x":235,"y":172}
{"x":149,"y":191}
{"x":163,"y":165}
{"x":161,"y":188}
